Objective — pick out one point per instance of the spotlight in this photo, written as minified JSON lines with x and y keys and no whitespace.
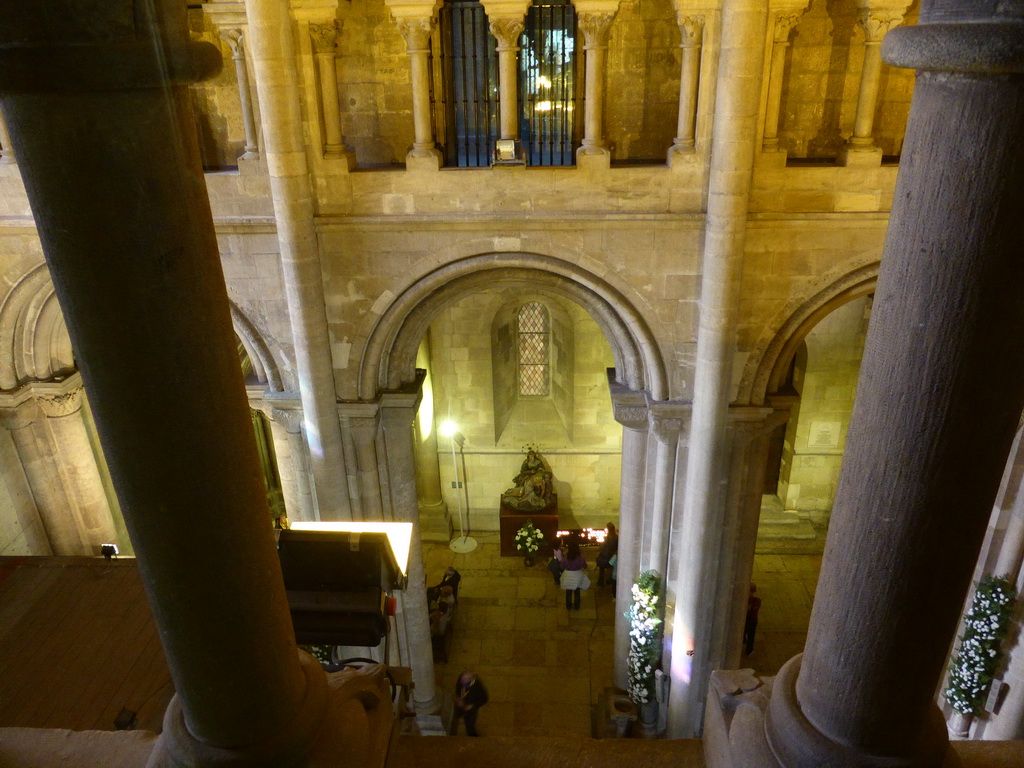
{"x":109,"y":551}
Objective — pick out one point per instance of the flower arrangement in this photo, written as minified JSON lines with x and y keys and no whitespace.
{"x":644,"y":636}
{"x":975,"y":661}
{"x":528,"y":538}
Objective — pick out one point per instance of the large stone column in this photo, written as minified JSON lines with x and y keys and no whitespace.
{"x":876,"y":19}
{"x":361,"y":421}
{"x":784,"y":17}
{"x":190,"y":483}
{"x":277,"y":81}
{"x":325,"y":42}
{"x":691,"y":28}
{"x":938,"y":402}
{"x":397,"y":414}
{"x":696,"y":546}
{"x":630,"y":410}
{"x":415,"y":20}
{"x":86,"y":501}
{"x":236,"y":41}
{"x":6,"y":153}
{"x":61,"y":532}
{"x":46,"y":424}
{"x":594,"y":18}
{"x":666,"y":423}
{"x":286,"y":425}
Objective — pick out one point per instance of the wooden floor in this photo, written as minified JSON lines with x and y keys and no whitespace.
{"x":78,"y":645}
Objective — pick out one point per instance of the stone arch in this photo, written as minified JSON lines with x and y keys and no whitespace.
{"x":34,"y":341}
{"x":256,"y":348}
{"x":35,"y":344}
{"x":389,"y":357}
{"x":769,"y":360}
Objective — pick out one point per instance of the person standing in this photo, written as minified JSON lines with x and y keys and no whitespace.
{"x":470,"y":695}
{"x":750,"y":625}
{"x":573,"y":577}
{"x":604,"y":556}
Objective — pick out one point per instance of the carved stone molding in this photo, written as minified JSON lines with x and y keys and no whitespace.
{"x":784,"y":24}
{"x":692,"y":29}
{"x":290,"y":419}
{"x":507,"y":32}
{"x":235,"y":38}
{"x":595,"y":27}
{"x":325,"y":36}
{"x":877,"y":22}
{"x":416,"y":33}
{"x":56,"y":405}
{"x":668,"y":420}
{"x":631,"y":416}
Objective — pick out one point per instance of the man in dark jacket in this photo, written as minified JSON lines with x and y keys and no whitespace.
{"x":470,"y":695}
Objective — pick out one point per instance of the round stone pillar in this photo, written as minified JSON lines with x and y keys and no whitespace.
{"x":106,"y":140}
{"x":937,"y":404}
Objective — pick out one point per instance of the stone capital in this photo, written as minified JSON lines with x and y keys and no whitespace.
{"x":325,"y":36}
{"x":507,"y":31}
{"x":235,"y":38}
{"x":783,"y":24}
{"x":290,"y":419}
{"x":876,"y":19}
{"x":58,"y":404}
{"x":315,"y":11}
{"x":667,"y":421}
{"x":692,"y":29}
{"x":595,"y":27}
{"x":629,"y":407}
{"x":416,"y":32}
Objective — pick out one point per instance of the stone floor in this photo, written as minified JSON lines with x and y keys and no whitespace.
{"x":544,"y":666}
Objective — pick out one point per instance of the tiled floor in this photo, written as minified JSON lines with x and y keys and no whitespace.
{"x":545,"y":666}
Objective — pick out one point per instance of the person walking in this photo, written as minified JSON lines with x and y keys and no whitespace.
{"x":470,"y":695}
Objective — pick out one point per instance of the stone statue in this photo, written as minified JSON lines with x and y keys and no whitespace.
{"x":534,"y":485}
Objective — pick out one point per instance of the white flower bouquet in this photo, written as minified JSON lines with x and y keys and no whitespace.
{"x":528,"y":538}
{"x":644,"y":637}
{"x":975,"y":662}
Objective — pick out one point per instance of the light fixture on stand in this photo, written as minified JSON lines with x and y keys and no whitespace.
{"x":463,"y":543}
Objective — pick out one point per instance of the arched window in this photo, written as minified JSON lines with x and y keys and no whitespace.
{"x":534,"y":343}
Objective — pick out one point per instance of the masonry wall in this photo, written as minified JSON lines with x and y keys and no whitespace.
{"x":21,"y":530}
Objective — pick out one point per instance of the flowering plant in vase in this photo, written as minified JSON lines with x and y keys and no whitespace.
{"x":975,"y":661}
{"x":645,"y":630}
{"x":528,"y":539}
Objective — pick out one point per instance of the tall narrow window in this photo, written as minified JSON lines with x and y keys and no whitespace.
{"x":547,"y":83}
{"x":469,"y":112}
{"x":534,"y":342}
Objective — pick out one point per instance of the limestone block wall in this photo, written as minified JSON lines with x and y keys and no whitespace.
{"x":814,"y":448}
{"x":642,"y":80}
{"x":819,"y":98}
{"x":374,"y":86}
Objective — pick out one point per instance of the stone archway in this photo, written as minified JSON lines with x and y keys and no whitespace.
{"x":389,"y":357}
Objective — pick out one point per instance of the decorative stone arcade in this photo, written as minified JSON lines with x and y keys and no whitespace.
{"x":937,"y":406}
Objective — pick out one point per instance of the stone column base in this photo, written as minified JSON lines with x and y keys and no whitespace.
{"x":345,"y":719}
{"x":859,"y":157}
{"x":424,"y":160}
{"x":756,"y":722}
{"x":596,"y":158}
